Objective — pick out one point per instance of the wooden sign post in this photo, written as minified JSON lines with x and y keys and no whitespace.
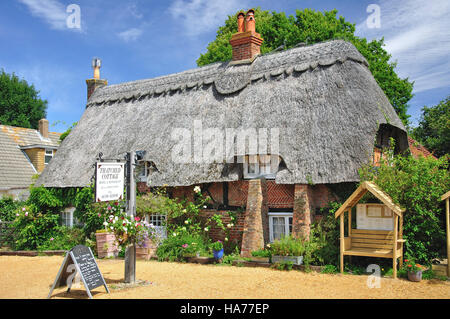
{"x":79,"y":260}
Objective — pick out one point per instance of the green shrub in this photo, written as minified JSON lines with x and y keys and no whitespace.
{"x":288,"y":246}
{"x":283,"y":265}
{"x":34,"y":229}
{"x":417,"y":185}
{"x":8,"y":207}
{"x":178,"y":246}
{"x":262,"y":253}
{"x":329,"y":269}
{"x":64,"y":239}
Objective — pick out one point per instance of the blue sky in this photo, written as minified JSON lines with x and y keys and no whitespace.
{"x":138,"y":39}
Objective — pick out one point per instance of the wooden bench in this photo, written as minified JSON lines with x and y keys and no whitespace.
{"x":372,"y":243}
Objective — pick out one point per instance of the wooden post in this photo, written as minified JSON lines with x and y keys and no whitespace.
{"x":342,"y":242}
{"x":130,"y":253}
{"x":349,"y":232}
{"x":394,"y":251}
{"x":447,"y":218}
{"x":400,"y":235}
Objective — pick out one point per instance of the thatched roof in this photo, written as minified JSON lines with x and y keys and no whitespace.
{"x":323,"y":99}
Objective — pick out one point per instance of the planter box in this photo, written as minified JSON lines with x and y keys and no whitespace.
{"x":296,"y":260}
{"x":260,"y":259}
{"x":146,"y":251}
{"x":106,"y":245}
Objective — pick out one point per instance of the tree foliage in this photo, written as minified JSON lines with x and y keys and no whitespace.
{"x":309,"y":26}
{"x":20,"y":104}
{"x":434,"y":128}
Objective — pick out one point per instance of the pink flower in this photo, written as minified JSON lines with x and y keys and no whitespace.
{"x":109,"y":207}
{"x":26,"y":214}
{"x":137,"y":219}
{"x":185,"y":246}
{"x":23,"y":209}
{"x":99,"y":215}
{"x":52,"y":239}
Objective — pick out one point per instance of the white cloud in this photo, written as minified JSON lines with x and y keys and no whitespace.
{"x":201,"y":16}
{"x":417,"y":34}
{"x":52,"y":11}
{"x":130,"y":35}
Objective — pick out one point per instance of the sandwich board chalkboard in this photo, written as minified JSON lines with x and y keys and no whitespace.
{"x":79,"y":260}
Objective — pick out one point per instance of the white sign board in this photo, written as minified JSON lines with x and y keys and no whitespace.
{"x":374,"y":217}
{"x":109,"y":181}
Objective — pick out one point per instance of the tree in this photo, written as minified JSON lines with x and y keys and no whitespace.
{"x":67,"y":132}
{"x":309,"y":26}
{"x":20,"y":104}
{"x":434,"y":128}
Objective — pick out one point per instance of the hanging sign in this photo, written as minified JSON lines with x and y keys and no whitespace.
{"x":79,"y":260}
{"x":109,"y":181}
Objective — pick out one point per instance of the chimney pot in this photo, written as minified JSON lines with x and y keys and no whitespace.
{"x":250,"y":21}
{"x":241,"y":22}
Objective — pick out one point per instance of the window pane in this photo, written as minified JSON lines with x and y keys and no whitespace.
{"x":48,"y":159}
{"x":290,"y":225}
{"x":278,"y":225}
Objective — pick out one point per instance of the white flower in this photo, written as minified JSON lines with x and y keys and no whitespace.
{"x":23,"y":209}
{"x":186,"y":222}
{"x":125,"y":229}
{"x":112,"y":228}
{"x":105,"y":224}
{"x":204,"y":206}
{"x":111,"y":216}
{"x":197,"y":189}
{"x":184,"y":210}
{"x":184,"y":228}
{"x":174,"y":234}
{"x":26,"y":214}
{"x":226,"y":238}
{"x":230,"y":225}
{"x":206,"y":229}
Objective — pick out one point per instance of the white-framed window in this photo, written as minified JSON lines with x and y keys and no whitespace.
{"x":144,"y":171}
{"x":67,"y":218}
{"x":280,"y":225}
{"x":159,"y":221}
{"x":48,"y":156}
{"x":260,"y":165}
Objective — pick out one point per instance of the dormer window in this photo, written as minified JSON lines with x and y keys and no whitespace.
{"x":48,"y":156}
{"x":144,"y":170}
{"x":256,"y":166}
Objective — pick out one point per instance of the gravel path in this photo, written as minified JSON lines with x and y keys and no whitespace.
{"x":32,"y":277}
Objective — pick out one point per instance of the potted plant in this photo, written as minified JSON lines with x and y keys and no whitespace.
{"x":288,"y":249}
{"x":262,"y":255}
{"x":217,"y":250}
{"x":414,"y":270}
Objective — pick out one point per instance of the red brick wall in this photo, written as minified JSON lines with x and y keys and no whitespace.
{"x":217,"y":233}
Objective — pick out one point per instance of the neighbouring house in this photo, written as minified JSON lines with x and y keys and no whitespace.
{"x":418,"y":149}
{"x":272,"y":135}
{"x":24,"y":153}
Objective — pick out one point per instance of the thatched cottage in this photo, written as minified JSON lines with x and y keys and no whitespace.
{"x":316,"y":111}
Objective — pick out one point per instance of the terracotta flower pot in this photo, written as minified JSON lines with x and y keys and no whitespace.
{"x":106,"y":245}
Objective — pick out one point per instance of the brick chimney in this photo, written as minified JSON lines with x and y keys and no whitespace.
{"x":96,"y":82}
{"x":43,"y":127}
{"x":246,"y":42}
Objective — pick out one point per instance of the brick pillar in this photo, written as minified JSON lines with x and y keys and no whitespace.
{"x":303,"y":210}
{"x":256,"y":226}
